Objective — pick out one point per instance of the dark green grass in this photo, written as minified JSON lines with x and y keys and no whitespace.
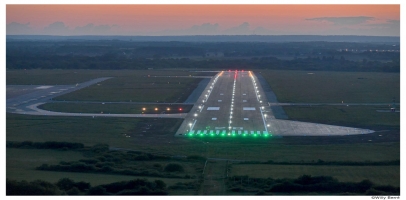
{"x":356,"y":116}
{"x":86,"y":130}
{"x":333,"y":87}
{"x":116,"y":108}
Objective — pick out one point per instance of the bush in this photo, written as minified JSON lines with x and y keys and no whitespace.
{"x":73,"y":191}
{"x":98,"y":190}
{"x":65,"y":184}
{"x":173,"y":167}
{"x":37,"y":187}
{"x":100,"y":148}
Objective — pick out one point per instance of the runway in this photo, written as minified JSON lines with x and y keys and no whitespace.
{"x":233,"y":104}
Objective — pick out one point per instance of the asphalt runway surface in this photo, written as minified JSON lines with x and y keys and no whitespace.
{"x":234,"y":104}
{"x":231,"y":104}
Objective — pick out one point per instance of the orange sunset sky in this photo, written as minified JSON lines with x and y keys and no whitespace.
{"x":376,"y":20}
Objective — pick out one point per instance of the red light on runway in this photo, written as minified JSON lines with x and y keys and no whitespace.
{"x":180,"y":109}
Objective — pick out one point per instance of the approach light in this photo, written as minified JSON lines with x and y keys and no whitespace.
{"x":143,"y":109}
{"x":168,"y":109}
{"x":195,"y":115}
{"x":156,"y":109}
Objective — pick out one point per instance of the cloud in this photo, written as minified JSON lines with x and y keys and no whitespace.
{"x":15,"y":28}
{"x":91,"y":29}
{"x":388,"y":24}
{"x":343,"y":20}
{"x":57,"y":28}
{"x":242,"y":29}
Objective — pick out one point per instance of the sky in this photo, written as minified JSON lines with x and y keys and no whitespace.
{"x":158,"y":20}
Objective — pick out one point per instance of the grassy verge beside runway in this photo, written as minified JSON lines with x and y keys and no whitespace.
{"x":88,"y":130}
{"x":116,"y":108}
{"x":383,"y":175}
{"x":333,"y":87}
{"x":69,"y":77}
{"x":353,"y":116}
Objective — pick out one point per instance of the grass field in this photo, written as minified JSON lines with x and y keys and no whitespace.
{"x":355,"y":116}
{"x":116,"y":108}
{"x":333,"y":87}
{"x":382,"y":175}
